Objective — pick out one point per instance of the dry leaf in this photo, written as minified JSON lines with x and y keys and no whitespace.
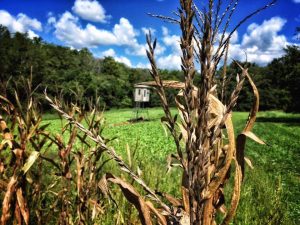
{"x":30,"y":161}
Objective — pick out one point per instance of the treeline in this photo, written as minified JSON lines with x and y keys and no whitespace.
{"x":278,"y":83}
{"x":75,"y":75}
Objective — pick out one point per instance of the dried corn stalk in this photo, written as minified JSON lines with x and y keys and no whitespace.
{"x":72,"y":173}
{"x":14,"y":172}
{"x":204,"y":135}
{"x":205,"y":124}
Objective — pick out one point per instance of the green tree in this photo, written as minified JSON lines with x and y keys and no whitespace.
{"x":115,"y":88}
{"x":5,"y":46}
{"x":285,"y":77}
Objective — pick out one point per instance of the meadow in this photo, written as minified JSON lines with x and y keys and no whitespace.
{"x":271,"y":190}
{"x":84,"y":166}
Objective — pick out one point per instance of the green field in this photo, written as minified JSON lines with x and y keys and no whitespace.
{"x":271,"y":191}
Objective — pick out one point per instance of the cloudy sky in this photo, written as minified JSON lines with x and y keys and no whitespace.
{"x":117,"y":27}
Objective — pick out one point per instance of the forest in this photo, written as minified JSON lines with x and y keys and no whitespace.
{"x":76,"y":74}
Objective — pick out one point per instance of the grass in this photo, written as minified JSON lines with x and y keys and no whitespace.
{"x":271,"y":193}
{"x":275,"y":181}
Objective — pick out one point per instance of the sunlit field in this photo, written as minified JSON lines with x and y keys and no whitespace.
{"x":271,"y":191}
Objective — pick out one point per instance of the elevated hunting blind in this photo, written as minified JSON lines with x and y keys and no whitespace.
{"x":141,"y":93}
{"x":141,"y":97}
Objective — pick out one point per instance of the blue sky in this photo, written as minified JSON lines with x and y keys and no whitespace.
{"x":117,"y":27}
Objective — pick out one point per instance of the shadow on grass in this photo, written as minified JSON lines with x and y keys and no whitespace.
{"x":290,"y":121}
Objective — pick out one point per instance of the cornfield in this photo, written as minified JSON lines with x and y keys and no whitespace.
{"x":207,"y":151}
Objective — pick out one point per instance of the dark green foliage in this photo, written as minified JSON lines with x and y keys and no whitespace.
{"x":285,"y":77}
{"x":278,"y":83}
{"x":68,"y":74}
{"x":76,"y":74}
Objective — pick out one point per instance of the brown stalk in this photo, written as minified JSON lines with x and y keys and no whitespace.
{"x":161,"y":92}
{"x":203,"y":116}
{"x":110,"y":151}
{"x":133,"y":197}
{"x":202,"y":153}
{"x":224,"y":76}
{"x":23,"y":132}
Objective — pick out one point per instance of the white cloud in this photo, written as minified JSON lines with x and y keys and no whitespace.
{"x":21,"y":23}
{"x":263,"y":36}
{"x":90,"y":10}
{"x":51,"y":20}
{"x":173,"y":41}
{"x":125,"y":32}
{"x":140,"y":49}
{"x":296,"y":37}
{"x":165,"y":31}
{"x":296,"y":1}
{"x":123,"y":59}
{"x":111,"y":53}
{"x":137,"y":50}
{"x":27,"y":22}
{"x":147,"y":29}
{"x":233,"y":39}
{"x":172,"y":61}
{"x":69,"y":30}
{"x":261,"y":43}
{"x":31,"y":34}
{"x":143,"y":65}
